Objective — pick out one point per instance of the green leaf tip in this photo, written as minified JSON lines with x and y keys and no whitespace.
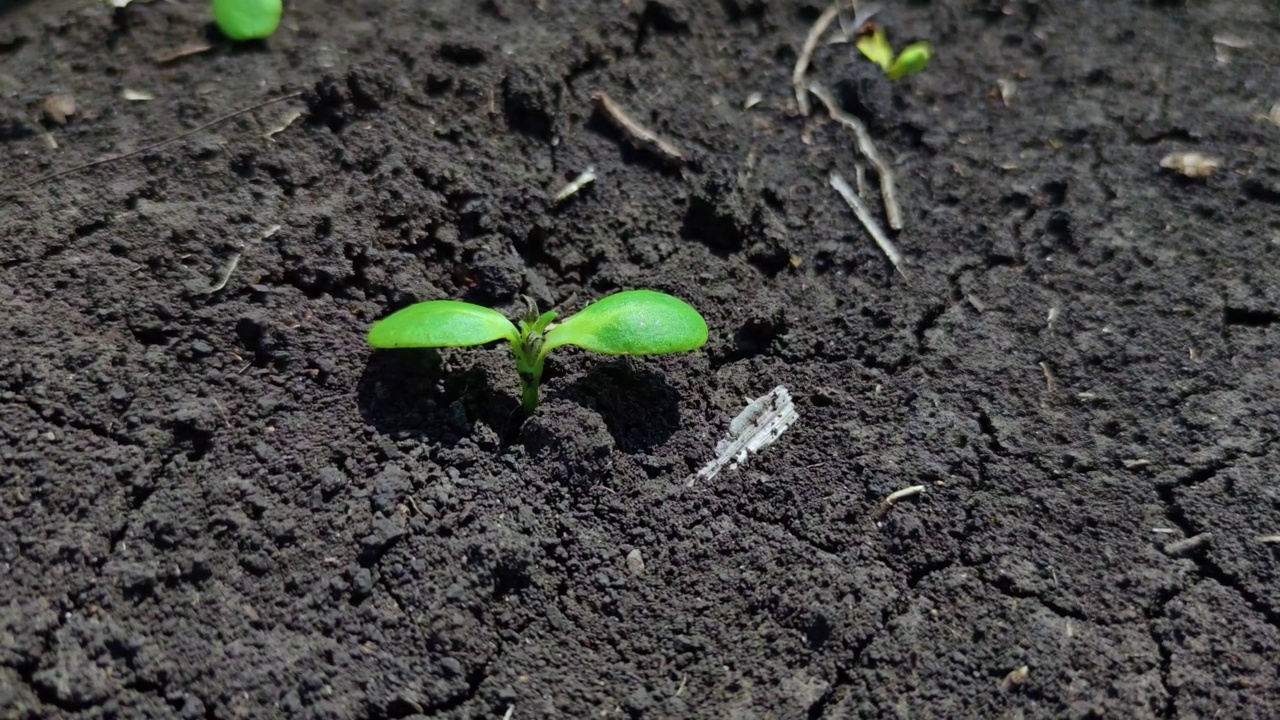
{"x":247,"y":19}
{"x":442,"y":323}
{"x":875,"y":47}
{"x":632,"y":322}
{"x":911,"y":60}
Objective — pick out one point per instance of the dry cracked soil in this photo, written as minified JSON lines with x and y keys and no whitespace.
{"x":217,"y":502}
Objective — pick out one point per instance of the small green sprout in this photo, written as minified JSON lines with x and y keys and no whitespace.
{"x":633,"y":322}
{"x":247,"y":19}
{"x":876,"y":48}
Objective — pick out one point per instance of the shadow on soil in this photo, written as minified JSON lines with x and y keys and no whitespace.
{"x":408,"y":391}
{"x":638,"y":405}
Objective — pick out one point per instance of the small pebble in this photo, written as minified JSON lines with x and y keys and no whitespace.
{"x":451,"y":667}
{"x":635,"y":562}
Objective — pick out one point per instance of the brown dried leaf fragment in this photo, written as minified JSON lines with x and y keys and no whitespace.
{"x":58,"y":108}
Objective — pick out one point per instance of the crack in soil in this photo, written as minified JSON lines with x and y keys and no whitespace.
{"x":988,"y":430}
{"x":1206,"y":567}
{"x":1170,"y":708}
{"x":818,"y":709}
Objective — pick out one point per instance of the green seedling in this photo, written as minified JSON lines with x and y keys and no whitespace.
{"x":247,"y":19}
{"x":633,"y":322}
{"x":875,"y":46}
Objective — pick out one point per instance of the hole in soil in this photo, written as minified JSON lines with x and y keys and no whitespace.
{"x":13,"y":130}
{"x":509,"y":578}
{"x":1055,"y":193}
{"x":1255,"y":189}
{"x":85,"y":231}
{"x":14,"y":45}
{"x":818,"y":632}
{"x":461,"y":54}
{"x":658,"y":19}
{"x":151,"y":335}
{"x":1249,"y":318}
{"x":1058,"y":228}
{"x":988,"y":429}
{"x":737,"y":12}
{"x":195,"y":442}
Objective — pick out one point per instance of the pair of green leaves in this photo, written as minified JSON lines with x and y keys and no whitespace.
{"x":633,"y":322}
{"x":913,"y":58}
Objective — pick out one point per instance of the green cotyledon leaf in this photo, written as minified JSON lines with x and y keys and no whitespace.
{"x":442,"y":323}
{"x":912,"y":59}
{"x":876,"y":47}
{"x":633,"y":322}
{"x":247,"y":19}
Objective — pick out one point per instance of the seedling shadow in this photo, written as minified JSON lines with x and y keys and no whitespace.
{"x":638,"y":405}
{"x":409,"y":393}
{"x":216,"y":39}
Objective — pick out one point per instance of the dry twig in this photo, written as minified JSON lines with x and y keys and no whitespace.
{"x":584,"y":178}
{"x":868,"y":221}
{"x":225,"y":275}
{"x":892,"y":210}
{"x":639,"y":133}
{"x":806,"y":53}
{"x":1049,"y":380}
{"x":1186,"y":545}
{"x":894,"y":497}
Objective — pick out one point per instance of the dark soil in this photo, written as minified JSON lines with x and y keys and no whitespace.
{"x":224,"y":505}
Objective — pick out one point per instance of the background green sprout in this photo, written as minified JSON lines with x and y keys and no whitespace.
{"x":875,"y":46}
{"x":247,"y":19}
{"x":633,"y":322}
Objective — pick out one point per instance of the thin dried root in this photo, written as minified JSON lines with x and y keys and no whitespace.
{"x":893,"y":498}
{"x":868,"y":221}
{"x":226,"y":274}
{"x":1182,"y":547}
{"x":1049,"y":380}
{"x":892,"y":211}
{"x":820,"y":26}
{"x":584,"y":178}
{"x":640,"y":134}
{"x":232,"y":264}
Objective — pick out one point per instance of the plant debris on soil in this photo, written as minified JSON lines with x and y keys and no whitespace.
{"x":223,"y":504}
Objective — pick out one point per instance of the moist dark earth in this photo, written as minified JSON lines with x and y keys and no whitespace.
{"x":218,"y":502}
